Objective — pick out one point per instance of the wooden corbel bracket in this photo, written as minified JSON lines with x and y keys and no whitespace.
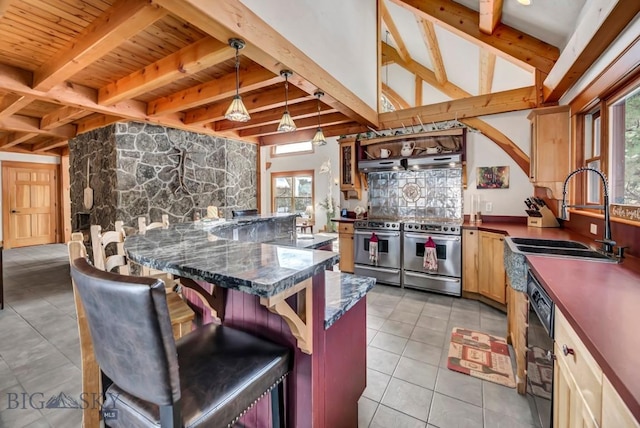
{"x":299,"y":322}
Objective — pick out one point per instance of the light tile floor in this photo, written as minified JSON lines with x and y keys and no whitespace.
{"x":408,"y":383}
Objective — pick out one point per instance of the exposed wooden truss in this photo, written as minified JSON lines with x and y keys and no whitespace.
{"x":395,"y":33}
{"x":487,"y":67}
{"x":490,"y":14}
{"x":431,"y":41}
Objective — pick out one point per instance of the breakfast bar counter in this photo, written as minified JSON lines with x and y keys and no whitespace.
{"x":276,"y":292}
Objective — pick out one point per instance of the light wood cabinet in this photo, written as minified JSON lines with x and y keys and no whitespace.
{"x":550,"y":147}
{"x":470,"y":261}
{"x":491,"y":273}
{"x":350,"y":184}
{"x":345,"y":239}
{"x":615,"y":414}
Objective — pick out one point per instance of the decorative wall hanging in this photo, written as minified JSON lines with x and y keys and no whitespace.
{"x":180,"y":170}
{"x":493,"y":177}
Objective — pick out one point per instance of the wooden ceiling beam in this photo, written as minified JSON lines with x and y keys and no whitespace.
{"x":398,"y":102}
{"x":12,"y":103}
{"x":95,"y":121}
{"x":117,"y":24}
{"x":252,"y":78}
{"x":425,"y":74}
{"x":487,"y":67}
{"x":4,"y":4}
{"x":307,"y":123}
{"x":49,"y":145}
{"x":391,"y":26}
{"x":307,"y":134}
{"x":32,"y":125}
{"x":490,"y":15}
{"x":268,"y":99}
{"x":15,"y":138}
{"x":431,"y":41}
{"x":297,"y":111}
{"x":601,"y":23}
{"x":224,"y":19}
{"x":418,"y":91}
{"x":62,"y":116}
{"x":499,"y":102}
{"x":513,"y":45}
{"x":191,"y":59}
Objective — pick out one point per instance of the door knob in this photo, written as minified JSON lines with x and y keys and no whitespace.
{"x":14,"y":212}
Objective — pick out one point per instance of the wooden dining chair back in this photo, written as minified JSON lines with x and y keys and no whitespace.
{"x":108,"y":249}
{"x":170,"y":281}
{"x":143,"y":226}
{"x":210,"y":378}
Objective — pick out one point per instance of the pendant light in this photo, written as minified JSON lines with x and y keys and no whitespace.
{"x":286,"y":123}
{"x":318,"y":139}
{"x":237,"y":112}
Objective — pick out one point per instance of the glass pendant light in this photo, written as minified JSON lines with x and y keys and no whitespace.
{"x":286,"y":123}
{"x":237,"y":112}
{"x":318,"y":139}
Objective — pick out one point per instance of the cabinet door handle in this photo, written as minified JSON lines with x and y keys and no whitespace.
{"x":470,"y":233}
{"x":550,"y":356}
{"x":566,"y":350}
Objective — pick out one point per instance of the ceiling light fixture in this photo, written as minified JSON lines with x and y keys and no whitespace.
{"x":318,"y":139}
{"x":286,"y":123}
{"x":525,"y":2}
{"x":237,"y":112}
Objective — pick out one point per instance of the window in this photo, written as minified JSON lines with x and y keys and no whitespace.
{"x":624,"y":158}
{"x":592,"y":154}
{"x":292,"y":149}
{"x":292,"y":192}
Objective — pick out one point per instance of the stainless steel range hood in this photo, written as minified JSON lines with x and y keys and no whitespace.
{"x":411,"y":163}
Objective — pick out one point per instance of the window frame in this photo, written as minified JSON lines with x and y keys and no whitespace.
{"x":282,"y":155}
{"x":298,"y":173}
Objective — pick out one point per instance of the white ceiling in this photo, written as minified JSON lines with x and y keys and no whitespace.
{"x":551,"y":21}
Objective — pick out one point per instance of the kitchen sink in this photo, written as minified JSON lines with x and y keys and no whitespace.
{"x":556,"y":248}
{"x":554,"y":243}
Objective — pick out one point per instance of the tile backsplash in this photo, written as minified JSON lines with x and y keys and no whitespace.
{"x":430,"y":194}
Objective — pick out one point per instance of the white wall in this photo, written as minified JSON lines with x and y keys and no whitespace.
{"x":20,"y":157}
{"x":483,"y":152}
{"x":322,"y":182}
{"x":340,"y":36}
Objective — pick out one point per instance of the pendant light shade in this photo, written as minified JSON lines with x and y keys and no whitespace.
{"x":237,"y":112}
{"x":318,"y":139}
{"x":286,"y":123}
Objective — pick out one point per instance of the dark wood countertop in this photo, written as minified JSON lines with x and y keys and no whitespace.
{"x":601,"y":301}
{"x":345,"y":220}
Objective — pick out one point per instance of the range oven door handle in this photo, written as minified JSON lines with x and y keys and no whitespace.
{"x":438,"y":277}
{"x":436,"y":237}
{"x":379,"y":269}
{"x":382,"y":234}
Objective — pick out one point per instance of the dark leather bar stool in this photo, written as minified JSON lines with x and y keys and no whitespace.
{"x":243,"y":213}
{"x":208,"y":379}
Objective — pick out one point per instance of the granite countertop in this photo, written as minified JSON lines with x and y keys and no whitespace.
{"x":315,"y":241}
{"x":601,"y":301}
{"x":346,"y":220}
{"x":194,"y":251}
{"x":342,"y":292}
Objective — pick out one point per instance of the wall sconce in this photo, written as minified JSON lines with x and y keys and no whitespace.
{"x":237,"y":112}
{"x":286,"y":123}
{"x":318,"y":139}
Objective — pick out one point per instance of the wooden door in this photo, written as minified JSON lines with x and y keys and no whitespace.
{"x":492,"y":278}
{"x":29,"y":204}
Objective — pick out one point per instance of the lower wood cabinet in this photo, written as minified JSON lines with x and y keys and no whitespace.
{"x":470,"y":261}
{"x":614,"y":412}
{"x":345,"y":239}
{"x":517,"y":323}
{"x":491,"y":273}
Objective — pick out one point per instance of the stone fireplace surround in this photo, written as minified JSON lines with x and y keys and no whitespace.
{"x":139,"y":169}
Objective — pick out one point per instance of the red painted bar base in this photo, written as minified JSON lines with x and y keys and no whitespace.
{"x":323,"y":388}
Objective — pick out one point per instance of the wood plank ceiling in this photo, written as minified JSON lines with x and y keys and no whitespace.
{"x":69,"y":66}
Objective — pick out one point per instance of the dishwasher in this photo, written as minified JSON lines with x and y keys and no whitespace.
{"x":540,"y":357}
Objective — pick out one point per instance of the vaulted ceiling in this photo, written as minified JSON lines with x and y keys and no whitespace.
{"x":69,"y":66}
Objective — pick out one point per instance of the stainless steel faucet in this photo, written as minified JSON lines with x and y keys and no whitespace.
{"x":607,"y":242}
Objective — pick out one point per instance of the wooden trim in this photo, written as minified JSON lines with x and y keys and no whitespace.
{"x":499,"y":102}
{"x":513,"y":45}
{"x":96,"y":121}
{"x":490,"y":15}
{"x":299,"y":173}
{"x":50,"y":145}
{"x":15,"y":138}
{"x":487,"y":67}
{"x":418,"y":91}
{"x":32,"y":125}
{"x":433,"y":47}
{"x":11,"y":104}
{"x":65,"y":199}
{"x":62,"y":116}
{"x":601,"y":23}
{"x":391,"y":26}
{"x":398,"y":102}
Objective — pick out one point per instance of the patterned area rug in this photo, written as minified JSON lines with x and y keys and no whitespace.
{"x":540,"y":372}
{"x":481,"y":355}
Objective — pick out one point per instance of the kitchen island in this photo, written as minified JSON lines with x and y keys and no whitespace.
{"x":277,"y":292}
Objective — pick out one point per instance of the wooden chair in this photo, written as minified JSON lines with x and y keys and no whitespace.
{"x":182,"y":315}
{"x":168,"y":278}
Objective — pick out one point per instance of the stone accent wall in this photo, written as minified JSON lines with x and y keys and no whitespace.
{"x":148,"y":170}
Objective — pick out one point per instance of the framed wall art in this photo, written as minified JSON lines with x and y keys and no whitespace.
{"x":492,"y":177}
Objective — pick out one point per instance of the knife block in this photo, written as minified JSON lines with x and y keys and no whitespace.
{"x":547,"y":219}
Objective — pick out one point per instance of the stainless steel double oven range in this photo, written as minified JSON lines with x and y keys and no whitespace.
{"x":401,"y":247}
